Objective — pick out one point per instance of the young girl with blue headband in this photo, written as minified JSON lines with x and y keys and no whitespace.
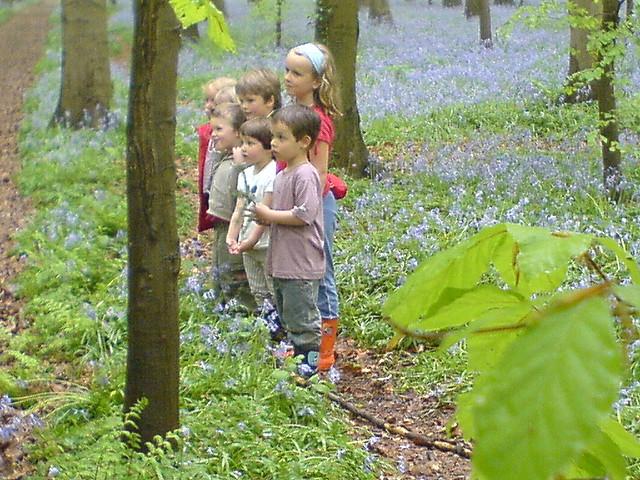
{"x":310,"y":80}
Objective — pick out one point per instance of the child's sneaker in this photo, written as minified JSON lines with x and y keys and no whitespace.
{"x":309,"y":364}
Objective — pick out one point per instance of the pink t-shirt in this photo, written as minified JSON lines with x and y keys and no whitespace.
{"x":296,"y":252}
{"x":327,"y":135}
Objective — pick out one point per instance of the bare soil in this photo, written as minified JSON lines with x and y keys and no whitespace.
{"x":22,"y":40}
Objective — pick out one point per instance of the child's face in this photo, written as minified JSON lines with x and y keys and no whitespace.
{"x":255,"y":106}
{"x":284,"y":145}
{"x":253,"y":152}
{"x":209,"y":100}
{"x":223,"y":134}
{"x":299,"y":79}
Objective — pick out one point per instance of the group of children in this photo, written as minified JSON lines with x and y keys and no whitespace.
{"x":266,"y":193}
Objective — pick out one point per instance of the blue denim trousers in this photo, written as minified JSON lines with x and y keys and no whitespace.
{"x":328,"y":293}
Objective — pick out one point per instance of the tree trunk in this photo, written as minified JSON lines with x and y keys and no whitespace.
{"x":380,"y":11}
{"x":472,"y":8}
{"x":451,"y":3}
{"x":579,"y":58}
{"x":337,"y":27}
{"x":154,"y":258}
{"x":485,"y":24}
{"x":629,"y":9}
{"x":504,"y":2}
{"x":279,"y":23}
{"x":85,"y":91}
{"x":609,"y":130}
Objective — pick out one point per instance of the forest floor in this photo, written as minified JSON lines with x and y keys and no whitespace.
{"x":367,"y":379}
{"x":22,"y":40}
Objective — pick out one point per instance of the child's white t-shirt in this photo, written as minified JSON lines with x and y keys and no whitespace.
{"x":257,"y":184}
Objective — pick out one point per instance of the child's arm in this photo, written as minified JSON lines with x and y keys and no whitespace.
{"x":266,"y":215}
{"x":258,"y":229}
{"x":319,"y":158}
{"x":235,"y":225}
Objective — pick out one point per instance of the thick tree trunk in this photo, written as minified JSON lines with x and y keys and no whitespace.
{"x":154,"y":258}
{"x":337,"y":27}
{"x":380,"y":11}
{"x":609,"y":130}
{"x":85,"y":91}
{"x":472,"y":8}
{"x":579,"y":58}
{"x":485,"y":24}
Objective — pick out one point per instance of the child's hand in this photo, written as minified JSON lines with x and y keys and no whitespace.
{"x":232,"y":246}
{"x":261,"y":212}
{"x":238,"y":158}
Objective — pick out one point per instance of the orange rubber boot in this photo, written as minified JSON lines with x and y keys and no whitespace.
{"x":328,"y":344}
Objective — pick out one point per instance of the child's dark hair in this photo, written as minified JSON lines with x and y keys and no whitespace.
{"x":300,"y":119}
{"x":261,"y":82}
{"x":260,"y":129}
{"x":231,"y":112}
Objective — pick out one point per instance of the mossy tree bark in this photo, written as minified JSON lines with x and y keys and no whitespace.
{"x":337,"y":27}
{"x":579,"y":57}
{"x":85,"y":91}
{"x":605,"y":92}
{"x":154,"y":259}
{"x":485,"y":24}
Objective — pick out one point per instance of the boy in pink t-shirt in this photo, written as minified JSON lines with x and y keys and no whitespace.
{"x":295,"y":257}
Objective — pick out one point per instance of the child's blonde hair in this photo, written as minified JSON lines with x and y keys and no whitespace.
{"x":218,"y":84}
{"x":226,"y":95}
{"x":261,"y":82}
{"x":328,"y":94}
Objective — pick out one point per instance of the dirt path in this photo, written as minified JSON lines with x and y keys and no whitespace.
{"x":22,"y":40}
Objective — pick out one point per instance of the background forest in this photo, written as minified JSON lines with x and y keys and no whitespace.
{"x":460,"y":136}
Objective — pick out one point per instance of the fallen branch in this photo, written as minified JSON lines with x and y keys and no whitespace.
{"x":444,"y":445}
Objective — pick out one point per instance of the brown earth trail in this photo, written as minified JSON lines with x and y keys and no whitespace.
{"x":22,"y":40}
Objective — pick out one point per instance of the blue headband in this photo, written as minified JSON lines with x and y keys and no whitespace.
{"x":312,"y":53}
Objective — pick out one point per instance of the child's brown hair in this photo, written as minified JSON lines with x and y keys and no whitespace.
{"x":260,"y":129}
{"x":300,"y":119}
{"x":261,"y":82}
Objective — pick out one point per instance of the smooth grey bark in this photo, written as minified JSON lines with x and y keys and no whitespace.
{"x":154,"y":258}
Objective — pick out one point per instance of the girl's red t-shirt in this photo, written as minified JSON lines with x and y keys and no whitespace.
{"x":205,"y":221}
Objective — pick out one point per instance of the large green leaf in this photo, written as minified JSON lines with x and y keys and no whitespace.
{"x":629,"y":293}
{"x":628,"y":444}
{"x":540,"y":406}
{"x":539,"y":258}
{"x":470,"y":306}
{"x":195,"y":11}
{"x":608,"y":453}
{"x":442,"y":278}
